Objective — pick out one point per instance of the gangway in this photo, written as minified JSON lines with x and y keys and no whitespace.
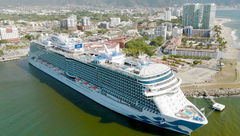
{"x":215,"y":106}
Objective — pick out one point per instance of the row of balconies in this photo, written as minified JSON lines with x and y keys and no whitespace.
{"x":172,"y":88}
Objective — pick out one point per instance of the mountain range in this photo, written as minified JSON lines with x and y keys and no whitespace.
{"x":114,"y":3}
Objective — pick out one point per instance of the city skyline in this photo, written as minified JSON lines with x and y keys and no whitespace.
{"x":199,"y":16}
{"x":65,"y":68}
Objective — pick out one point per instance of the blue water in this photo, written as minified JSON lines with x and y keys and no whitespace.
{"x":234,"y":15}
{"x":188,"y":113}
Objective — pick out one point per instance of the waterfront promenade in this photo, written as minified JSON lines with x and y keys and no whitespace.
{"x":218,"y":83}
{"x":17,"y":54}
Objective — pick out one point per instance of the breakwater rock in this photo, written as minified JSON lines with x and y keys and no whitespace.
{"x":213,"y":92}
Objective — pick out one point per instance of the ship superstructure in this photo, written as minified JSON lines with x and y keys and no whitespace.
{"x":137,"y":88}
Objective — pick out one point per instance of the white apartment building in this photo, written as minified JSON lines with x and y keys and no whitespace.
{"x":168,"y":15}
{"x":177,"y":32}
{"x":161,"y":31}
{"x":9,"y":33}
{"x":86,"y":21}
{"x":199,"y":16}
{"x":114,"y":21}
{"x":178,"y":13}
{"x":69,"y":23}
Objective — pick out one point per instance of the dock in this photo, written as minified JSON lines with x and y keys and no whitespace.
{"x":216,"y":106}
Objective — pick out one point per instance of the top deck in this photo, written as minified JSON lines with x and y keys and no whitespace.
{"x":106,"y":55}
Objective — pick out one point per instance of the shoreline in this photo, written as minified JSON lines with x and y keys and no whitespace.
{"x":231,"y":52}
{"x":212,"y":92}
{"x":11,"y":58}
{"x":18,"y":54}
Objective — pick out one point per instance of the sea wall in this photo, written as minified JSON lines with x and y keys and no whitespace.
{"x":13,"y":57}
{"x":213,"y":92}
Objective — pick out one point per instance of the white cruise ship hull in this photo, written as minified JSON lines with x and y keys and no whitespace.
{"x":114,"y":104}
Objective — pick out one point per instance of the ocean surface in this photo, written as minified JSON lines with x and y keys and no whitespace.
{"x":34,"y":104}
{"x":234,"y":15}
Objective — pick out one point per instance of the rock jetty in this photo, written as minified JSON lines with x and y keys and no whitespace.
{"x":213,"y":92}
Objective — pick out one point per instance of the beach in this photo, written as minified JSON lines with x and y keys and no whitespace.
{"x":230,"y":52}
{"x":222,"y":83}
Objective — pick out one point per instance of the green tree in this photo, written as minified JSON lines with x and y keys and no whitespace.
{"x":4,"y":41}
{"x":220,"y":49}
{"x":1,"y":52}
{"x":190,"y":44}
{"x":223,"y":44}
{"x":200,"y":44}
{"x":178,"y":61}
{"x":209,"y":45}
{"x":29,"y":37}
{"x":144,"y":38}
{"x":157,"y":41}
{"x":195,"y":62}
{"x":217,"y":29}
{"x":165,"y":58}
{"x":184,"y":41}
{"x":102,"y":31}
{"x":149,"y":52}
{"x":135,"y":47}
{"x":88,"y":33}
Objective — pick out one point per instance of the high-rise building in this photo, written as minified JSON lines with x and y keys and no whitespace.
{"x":103,"y":25}
{"x":168,"y":15}
{"x":86,"y":21}
{"x":115,"y":21}
{"x":69,"y":23}
{"x":177,"y":32}
{"x":161,"y":31}
{"x":168,"y":25}
{"x":199,"y":16}
{"x":178,"y":13}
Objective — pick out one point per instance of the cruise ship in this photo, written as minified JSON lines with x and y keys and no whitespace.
{"x":137,"y":88}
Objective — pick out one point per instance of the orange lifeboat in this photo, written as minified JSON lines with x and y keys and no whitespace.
{"x":77,"y":79}
{"x":94,"y":87}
